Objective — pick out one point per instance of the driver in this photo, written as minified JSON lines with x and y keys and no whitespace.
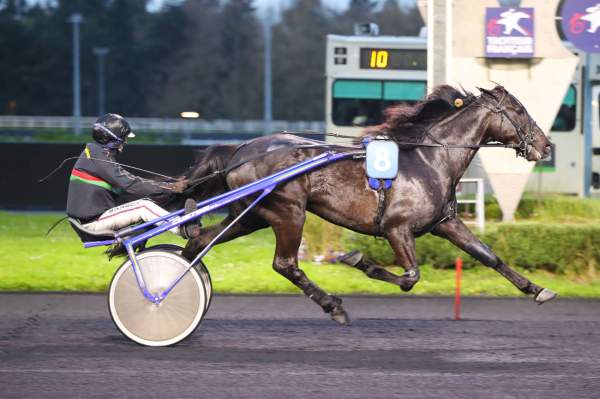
{"x":96,"y":187}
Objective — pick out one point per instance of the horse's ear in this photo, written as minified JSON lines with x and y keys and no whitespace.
{"x":486,"y":91}
{"x":498,"y":85}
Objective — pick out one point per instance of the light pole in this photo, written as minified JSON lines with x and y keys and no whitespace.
{"x":588,"y":134}
{"x":268,"y":113}
{"x":101,"y":53}
{"x":76,"y":19}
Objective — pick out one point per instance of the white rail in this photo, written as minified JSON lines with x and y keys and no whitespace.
{"x":479,"y":201}
{"x":165,"y":125}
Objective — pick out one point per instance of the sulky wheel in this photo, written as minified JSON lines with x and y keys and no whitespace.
{"x":205,"y":276}
{"x":201,"y":268}
{"x":168,"y":322}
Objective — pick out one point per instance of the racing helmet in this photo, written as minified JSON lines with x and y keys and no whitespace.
{"x":111,"y":128}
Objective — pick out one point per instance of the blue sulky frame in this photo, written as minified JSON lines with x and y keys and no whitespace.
{"x":264,"y":185}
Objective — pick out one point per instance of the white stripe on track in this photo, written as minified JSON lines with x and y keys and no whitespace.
{"x":320,"y":372}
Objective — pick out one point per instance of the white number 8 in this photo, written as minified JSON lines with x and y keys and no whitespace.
{"x":382,"y":160}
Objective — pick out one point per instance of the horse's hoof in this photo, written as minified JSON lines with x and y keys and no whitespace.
{"x":351,"y":258}
{"x":544,"y":296}
{"x":408,"y":280}
{"x":339,"y":314}
{"x":116,"y":250}
{"x":406,"y":286}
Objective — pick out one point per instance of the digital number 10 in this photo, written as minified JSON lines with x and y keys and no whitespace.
{"x":379,"y":59}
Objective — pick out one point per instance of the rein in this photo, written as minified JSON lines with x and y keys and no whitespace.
{"x":410,"y":144}
{"x":522,"y":147}
{"x":200,"y":180}
{"x":64,"y":161}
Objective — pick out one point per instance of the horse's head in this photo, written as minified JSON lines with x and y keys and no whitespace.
{"x":513,"y":125}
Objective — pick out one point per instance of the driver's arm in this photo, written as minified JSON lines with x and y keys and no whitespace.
{"x":135,"y":185}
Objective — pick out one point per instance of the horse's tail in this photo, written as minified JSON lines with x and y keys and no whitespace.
{"x":205,"y":175}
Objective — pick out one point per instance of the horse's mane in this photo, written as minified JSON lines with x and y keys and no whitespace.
{"x":409,"y":123}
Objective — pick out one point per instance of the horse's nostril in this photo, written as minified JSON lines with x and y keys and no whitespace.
{"x":548,"y":149}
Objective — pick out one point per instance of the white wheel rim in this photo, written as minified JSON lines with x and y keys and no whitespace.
{"x":175,"y":317}
{"x":207,"y":284}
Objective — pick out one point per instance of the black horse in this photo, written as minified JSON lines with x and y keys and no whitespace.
{"x":443,"y":134}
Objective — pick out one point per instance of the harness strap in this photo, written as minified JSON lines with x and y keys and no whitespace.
{"x":380,"y":208}
{"x":229,"y":168}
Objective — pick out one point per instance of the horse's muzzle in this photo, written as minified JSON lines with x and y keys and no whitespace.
{"x":547,"y":151}
{"x":533,"y":154}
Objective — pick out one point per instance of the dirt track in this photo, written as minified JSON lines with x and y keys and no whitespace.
{"x":274,"y":347}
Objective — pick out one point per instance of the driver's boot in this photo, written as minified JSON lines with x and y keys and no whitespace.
{"x":191,"y":229}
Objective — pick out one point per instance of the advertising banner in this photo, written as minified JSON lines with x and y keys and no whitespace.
{"x":509,"y":32}
{"x":581,"y":24}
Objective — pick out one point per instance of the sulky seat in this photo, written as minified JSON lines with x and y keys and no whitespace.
{"x":88,"y":235}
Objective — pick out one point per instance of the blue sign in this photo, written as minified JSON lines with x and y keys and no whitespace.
{"x":581,"y":24}
{"x":509,"y":32}
{"x":382,"y":159}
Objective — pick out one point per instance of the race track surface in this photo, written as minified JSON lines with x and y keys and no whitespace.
{"x":56,"y":345}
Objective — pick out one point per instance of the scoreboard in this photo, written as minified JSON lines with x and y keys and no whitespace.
{"x":367,"y":74}
{"x":393,"y":58}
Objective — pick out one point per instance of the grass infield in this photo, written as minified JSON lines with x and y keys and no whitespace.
{"x":30,"y":261}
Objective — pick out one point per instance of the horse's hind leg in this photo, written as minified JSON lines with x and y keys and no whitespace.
{"x":403,"y":244}
{"x":458,"y":234}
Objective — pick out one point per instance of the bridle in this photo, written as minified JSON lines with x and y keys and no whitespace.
{"x":525,"y":144}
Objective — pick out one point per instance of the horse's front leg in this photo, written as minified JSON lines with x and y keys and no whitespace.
{"x":288,"y":235}
{"x":403,"y":244}
{"x":455,"y":231}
